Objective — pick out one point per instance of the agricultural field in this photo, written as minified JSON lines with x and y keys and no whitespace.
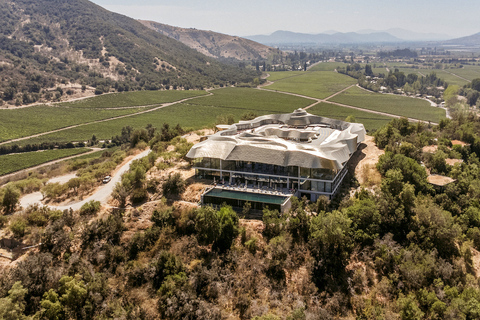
{"x":96,"y":154}
{"x":16,"y":123}
{"x":318,"y":85}
{"x":371,"y":121}
{"x":279,"y":75}
{"x":328,"y":66}
{"x":15,"y":162}
{"x":447,"y":76}
{"x":397,"y":105}
{"x":468,"y":72}
{"x":132,"y":99}
{"x":378,"y":70}
{"x":194,"y":114}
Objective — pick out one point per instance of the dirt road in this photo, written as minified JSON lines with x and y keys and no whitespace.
{"x":102,"y":193}
{"x":326,"y":100}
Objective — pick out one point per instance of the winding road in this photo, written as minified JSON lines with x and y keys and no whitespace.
{"x":102,"y":193}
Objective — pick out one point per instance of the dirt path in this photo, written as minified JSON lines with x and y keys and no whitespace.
{"x":366,"y":159}
{"x":103,"y":120}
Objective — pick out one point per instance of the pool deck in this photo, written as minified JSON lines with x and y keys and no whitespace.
{"x":263,"y":195}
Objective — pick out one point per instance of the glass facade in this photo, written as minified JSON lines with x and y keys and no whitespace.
{"x":264,"y":168}
{"x":261,"y":175}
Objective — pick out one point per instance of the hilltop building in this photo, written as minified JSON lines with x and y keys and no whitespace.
{"x":268,"y":159}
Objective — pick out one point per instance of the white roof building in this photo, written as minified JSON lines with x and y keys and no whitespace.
{"x":302,"y":148}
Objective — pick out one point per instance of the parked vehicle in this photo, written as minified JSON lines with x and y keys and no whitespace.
{"x":107,"y":179}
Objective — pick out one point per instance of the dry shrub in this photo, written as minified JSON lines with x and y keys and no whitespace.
{"x":369,"y":176}
{"x":193,"y":192}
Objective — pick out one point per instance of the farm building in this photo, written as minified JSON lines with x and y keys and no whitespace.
{"x":268,"y":159}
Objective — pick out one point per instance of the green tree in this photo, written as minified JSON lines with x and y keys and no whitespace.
{"x":366,"y":220}
{"x":11,"y":196}
{"x":166,"y":264}
{"x":74,"y":184}
{"x":90,"y":208}
{"x":12,"y":307}
{"x":207,"y":224}
{"x":228,"y":221}
{"x":137,"y":136}
{"x":18,"y":226}
{"x":52,"y":309}
{"x":73,"y":294}
{"x":331,"y":244}
{"x":412,"y":172}
{"x":409,"y":309}
{"x":120,"y":193}
{"x":433,"y":227}
{"x":350,"y":118}
{"x":475,"y":84}
{"x":450,"y":95}
{"x":274,"y":222}
{"x":174,"y":184}
{"x":368,"y":70}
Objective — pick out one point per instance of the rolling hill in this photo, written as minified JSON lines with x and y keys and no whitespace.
{"x":53,"y":48}
{"x":472,"y":40}
{"x":214,"y":44}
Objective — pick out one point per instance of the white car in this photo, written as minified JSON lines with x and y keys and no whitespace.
{"x":107,"y":179}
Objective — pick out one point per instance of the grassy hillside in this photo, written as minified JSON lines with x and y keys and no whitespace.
{"x":45,"y":44}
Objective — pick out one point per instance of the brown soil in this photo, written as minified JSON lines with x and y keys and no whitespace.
{"x":452,"y":162}
{"x":439,"y":180}
{"x":194,"y":137}
{"x":459,"y":143}
{"x":430,"y":149}
{"x":476,"y":261}
{"x":366,"y":159}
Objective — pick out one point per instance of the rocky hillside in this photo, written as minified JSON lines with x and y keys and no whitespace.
{"x":213,"y":44}
{"x":77,"y":45}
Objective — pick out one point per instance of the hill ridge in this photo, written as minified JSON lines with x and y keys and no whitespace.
{"x":214,"y":44}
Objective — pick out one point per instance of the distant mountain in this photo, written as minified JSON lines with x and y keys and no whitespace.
{"x":288,"y":37}
{"x":213,"y":44}
{"x":408,"y":35}
{"x":473,"y":40}
{"x":45,"y":44}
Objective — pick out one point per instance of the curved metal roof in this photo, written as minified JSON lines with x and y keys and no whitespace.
{"x":292,"y":139}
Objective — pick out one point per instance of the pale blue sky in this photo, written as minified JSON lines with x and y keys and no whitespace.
{"x":250,"y":17}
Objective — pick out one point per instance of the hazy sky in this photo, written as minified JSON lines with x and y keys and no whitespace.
{"x":251,"y":17}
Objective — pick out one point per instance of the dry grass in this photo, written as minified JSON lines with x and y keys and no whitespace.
{"x":193,"y":192}
{"x":430,"y":149}
{"x":368,"y":175}
{"x":366,"y":160}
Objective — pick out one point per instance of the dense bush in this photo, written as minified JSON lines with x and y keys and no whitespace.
{"x":174,"y":184}
{"x":90,"y":208}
